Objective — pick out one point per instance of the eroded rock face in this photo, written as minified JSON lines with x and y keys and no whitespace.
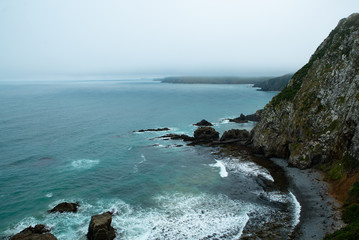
{"x":206,"y":134}
{"x":315,"y":118}
{"x":235,"y":134}
{"x":100,"y":227}
{"x":39,"y":232}
{"x":65,"y":207}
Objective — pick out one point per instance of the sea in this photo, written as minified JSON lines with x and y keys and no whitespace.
{"x":78,"y":141}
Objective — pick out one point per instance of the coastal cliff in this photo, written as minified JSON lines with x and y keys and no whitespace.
{"x":315,"y":118}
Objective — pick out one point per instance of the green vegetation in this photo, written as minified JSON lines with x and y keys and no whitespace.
{"x":213,"y":80}
{"x":274,"y":84}
{"x":354,"y":193}
{"x":338,"y":169}
{"x":334,"y":125}
{"x":351,"y":214}
{"x":350,"y":232}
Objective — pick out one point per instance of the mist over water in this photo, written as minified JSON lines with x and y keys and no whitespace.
{"x":75,"y":141}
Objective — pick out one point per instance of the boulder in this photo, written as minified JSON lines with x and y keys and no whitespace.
{"x":206,"y":134}
{"x":203,"y":123}
{"x":100,"y":227}
{"x":39,"y":232}
{"x":235,"y":134}
{"x":65,"y":207}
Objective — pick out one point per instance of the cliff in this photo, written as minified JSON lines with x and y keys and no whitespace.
{"x":315,"y":118}
{"x":274,"y":84}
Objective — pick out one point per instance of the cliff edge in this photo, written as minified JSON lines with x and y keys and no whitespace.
{"x":315,"y":118}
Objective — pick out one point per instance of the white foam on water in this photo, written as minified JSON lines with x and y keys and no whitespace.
{"x":174,"y":216}
{"x":247,"y":168}
{"x":275,"y":196}
{"x":84,"y":163}
{"x":49,"y":195}
{"x":222,"y":168}
{"x":297,"y":209}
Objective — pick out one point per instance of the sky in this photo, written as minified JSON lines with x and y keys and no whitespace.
{"x":110,"y":39}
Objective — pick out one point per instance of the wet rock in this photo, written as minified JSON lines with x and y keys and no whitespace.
{"x":255,"y":117}
{"x":65,"y":207}
{"x":154,"y":130}
{"x":203,"y":123}
{"x":235,"y":134}
{"x":206,"y":134}
{"x":39,"y":232}
{"x":183,"y":137}
{"x":100,"y":227}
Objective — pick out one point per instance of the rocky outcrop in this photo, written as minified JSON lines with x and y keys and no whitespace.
{"x":203,"y":123}
{"x":154,"y":130}
{"x":255,"y":117}
{"x":235,"y":135}
{"x":315,"y":118}
{"x":39,"y":232}
{"x":274,"y":84}
{"x":100,"y":227}
{"x":205,"y":134}
{"x":65,"y":207}
{"x":174,"y":136}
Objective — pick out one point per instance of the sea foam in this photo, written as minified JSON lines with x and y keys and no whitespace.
{"x":84,"y":163}
{"x":222,"y":168}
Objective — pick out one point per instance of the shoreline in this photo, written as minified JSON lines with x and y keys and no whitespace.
{"x":320,"y":212}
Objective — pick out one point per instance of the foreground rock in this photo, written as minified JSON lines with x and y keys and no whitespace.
{"x":235,"y":135}
{"x":39,"y":232}
{"x":154,"y":130}
{"x":65,"y":207}
{"x":100,"y":227}
{"x":255,"y":117}
{"x":205,"y":135}
{"x":315,"y":118}
{"x":203,"y":123}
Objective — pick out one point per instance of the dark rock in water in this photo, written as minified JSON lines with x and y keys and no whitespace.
{"x":100,"y":227}
{"x":235,"y":134}
{"x":203,"y":123}
{"x":206,"y":134}
{"x":255,"y":117}
{"x":183,"y":137}
{"x":65,"y":207}
{"x":154,"y":130}
{"x":39,"y":232}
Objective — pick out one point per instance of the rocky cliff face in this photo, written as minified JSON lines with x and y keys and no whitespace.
{"x":315,"y":118}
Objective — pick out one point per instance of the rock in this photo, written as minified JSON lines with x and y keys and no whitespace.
{"x":206,"y":134}
{"x":39,"y":232}
{"x":315,"y":118}
{"x":65,"y":207}
{"x":235,"y":134}
{"x":255,"y":117}
{"x":183,"y":137}
{"x":203,"y":123}
{"x":100,"y":227}
{"x":154,"y":130}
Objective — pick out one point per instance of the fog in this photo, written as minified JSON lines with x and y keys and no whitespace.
{"x":111,"y":39}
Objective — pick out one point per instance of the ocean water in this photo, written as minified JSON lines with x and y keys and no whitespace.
{"x":77,"y":141}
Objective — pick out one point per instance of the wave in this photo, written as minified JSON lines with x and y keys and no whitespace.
{"x":222,"y":172}
{"x":175,"y":216}
{"x":84,"y":163}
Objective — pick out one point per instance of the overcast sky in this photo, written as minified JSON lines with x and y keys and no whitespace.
{"x":62,"y":39}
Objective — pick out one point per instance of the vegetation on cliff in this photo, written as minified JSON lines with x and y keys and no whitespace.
{"x":274,"y":84}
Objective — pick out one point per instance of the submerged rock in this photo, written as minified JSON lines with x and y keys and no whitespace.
{"x":206,"y":134}
{"x":203,"y":123}
{"x":65,"y":207}
{"x":154,"y":130}
{"x":100,"y":227}
{"x":39,"y":232}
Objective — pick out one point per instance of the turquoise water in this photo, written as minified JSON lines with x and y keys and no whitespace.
{"x":75,"y":141}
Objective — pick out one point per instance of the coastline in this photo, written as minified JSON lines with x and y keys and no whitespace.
{"x":320,"y":212}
